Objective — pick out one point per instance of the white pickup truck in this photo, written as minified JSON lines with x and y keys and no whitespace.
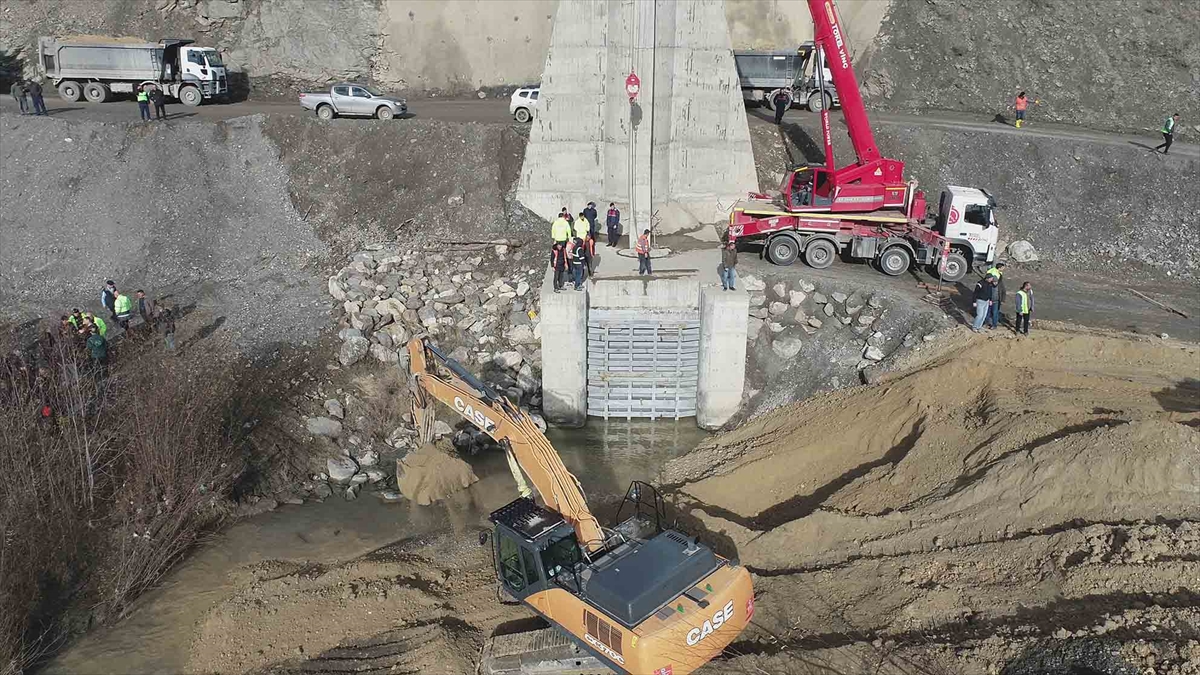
{"x":349,"y":99}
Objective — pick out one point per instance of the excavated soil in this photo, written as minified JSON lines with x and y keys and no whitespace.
{"x":432,"y":473}
{"x":1003,"y":506}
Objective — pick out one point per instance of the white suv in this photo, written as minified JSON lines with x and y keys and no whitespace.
{"x":524,"y":102}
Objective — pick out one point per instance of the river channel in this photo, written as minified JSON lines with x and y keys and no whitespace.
{"x":155,"y":636}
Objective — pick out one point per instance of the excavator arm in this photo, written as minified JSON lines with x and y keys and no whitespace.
{"x":435,"y":377}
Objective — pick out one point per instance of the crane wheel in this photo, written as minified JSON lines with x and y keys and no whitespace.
{"x":820,"y":254}
{"x":783,"y":250}
{"x":956,"y":268}
{"x":895,"y":261}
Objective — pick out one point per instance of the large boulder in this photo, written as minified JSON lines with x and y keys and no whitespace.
{"x":341,"y":469}
{"x":753,"y":283}
{"x":786,"y":347}
{"x":1022,"y":251}
{"x":353,"y":349}
{"x":323,"y":426}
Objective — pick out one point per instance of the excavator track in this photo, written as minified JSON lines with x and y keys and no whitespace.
{"x":537,"y":652}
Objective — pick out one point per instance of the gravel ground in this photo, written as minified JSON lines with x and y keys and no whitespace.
{"x":197,"y":213}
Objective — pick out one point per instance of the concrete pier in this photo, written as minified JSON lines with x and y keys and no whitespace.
{"x":723,"y":324}
{"x":681,"y":151}
{"x":564,"y":355}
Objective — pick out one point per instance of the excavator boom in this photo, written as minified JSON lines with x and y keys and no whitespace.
{"x":507,"y":424}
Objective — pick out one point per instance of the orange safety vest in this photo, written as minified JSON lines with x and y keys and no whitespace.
{"x":1022,"y":103}
{"x":643,"y":245}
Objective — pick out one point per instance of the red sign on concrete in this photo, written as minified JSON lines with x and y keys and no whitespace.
{"x":632,"y":86}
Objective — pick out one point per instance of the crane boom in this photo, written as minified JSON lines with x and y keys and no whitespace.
{"x":871,"y":170}
{"x":507,"y":424}
{"x":830,"y":36}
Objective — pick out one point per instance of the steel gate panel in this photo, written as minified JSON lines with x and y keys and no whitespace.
{"x":642,"y":363}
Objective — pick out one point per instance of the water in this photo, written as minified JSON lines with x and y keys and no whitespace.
{"x":155,"y":636}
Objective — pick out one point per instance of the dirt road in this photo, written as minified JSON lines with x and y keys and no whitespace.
{"x":448,"y":110}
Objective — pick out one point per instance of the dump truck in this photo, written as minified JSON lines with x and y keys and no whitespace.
{"x":762,"y":73}
{"x":95,"y":67}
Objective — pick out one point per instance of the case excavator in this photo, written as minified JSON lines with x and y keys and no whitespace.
{"x":637,"y":598}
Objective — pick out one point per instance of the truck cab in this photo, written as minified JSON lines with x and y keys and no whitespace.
{"x":966,"y":216}
{"x":203,"y":67}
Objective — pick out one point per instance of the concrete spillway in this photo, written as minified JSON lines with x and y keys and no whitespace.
{"x":629,"y":347}
{"x":681,"y":152}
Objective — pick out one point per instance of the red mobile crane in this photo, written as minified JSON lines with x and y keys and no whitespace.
{"x":866,"y":209}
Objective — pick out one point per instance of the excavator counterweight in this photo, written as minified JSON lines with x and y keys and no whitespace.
{"x":636,"y":598}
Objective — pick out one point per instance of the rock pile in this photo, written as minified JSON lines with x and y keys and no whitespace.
{"x":488,"y":321}
{"x":480,"y":306}
{"x":780,"y":314}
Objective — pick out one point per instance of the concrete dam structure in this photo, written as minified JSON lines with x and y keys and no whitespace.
{"x":629,"y":347}
{"x":680,"y":152}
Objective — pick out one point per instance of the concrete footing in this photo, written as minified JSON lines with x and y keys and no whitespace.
{"x":723,"y":322}
{"x":564,"y":355}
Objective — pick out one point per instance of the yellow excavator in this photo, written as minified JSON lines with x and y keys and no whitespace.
{"x":636,"y":598}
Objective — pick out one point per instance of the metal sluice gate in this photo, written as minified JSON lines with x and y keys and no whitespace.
{"x":642,"y":363}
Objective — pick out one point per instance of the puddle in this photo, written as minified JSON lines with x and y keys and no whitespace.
{"x":154,"y":639}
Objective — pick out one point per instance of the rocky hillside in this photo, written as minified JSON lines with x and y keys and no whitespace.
{"x":1122,"y":66}
{"x":239,"y":218}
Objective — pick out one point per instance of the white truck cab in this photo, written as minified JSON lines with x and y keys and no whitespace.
{"x":203,"y":66}
{"x":966,"y":216}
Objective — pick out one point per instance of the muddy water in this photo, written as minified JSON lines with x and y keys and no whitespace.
{"x":155,"y":636}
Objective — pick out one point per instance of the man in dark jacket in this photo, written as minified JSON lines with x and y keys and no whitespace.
{"x":146,"y":310}
{"x":35,"y":95}
{"x":590,"y":214}
{"x":613,"y":221}
{"x":985,"y":293}
{"x":108,"y":298}
{"x":160,"y":103}
{"x":558,"y":263}
{"x":782,"y":100}
{"x":728,"y":263}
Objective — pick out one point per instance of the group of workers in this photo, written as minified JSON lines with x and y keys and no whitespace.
{"x":26,"y":92}
{"x":573,"y":244}
{"x":990,"y":295}
{"x":92,"y":331}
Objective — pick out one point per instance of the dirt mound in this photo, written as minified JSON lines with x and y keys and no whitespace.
{"x":433,"y":472}
{"x":1005,"y":492}
{"x":423,"y":607}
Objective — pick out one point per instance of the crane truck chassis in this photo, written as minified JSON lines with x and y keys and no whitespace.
{"x":637,"y":598}
{"x":864,"y":210}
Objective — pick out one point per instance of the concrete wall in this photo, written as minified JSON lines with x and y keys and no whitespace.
{"x":682,"y":150}
{"x":644,"y":294}
{"x":564,"y":355}
{"x":723,"y":324}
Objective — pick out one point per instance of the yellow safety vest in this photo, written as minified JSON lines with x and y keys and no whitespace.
{"x":1022,"y":302}
{"x":101,"y":327}
{"x":122,"y":304}
{"x":560,"y":229}
{"x":995,"y":272}
{"x":143,"y":97}
{"x":581,"y":227}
